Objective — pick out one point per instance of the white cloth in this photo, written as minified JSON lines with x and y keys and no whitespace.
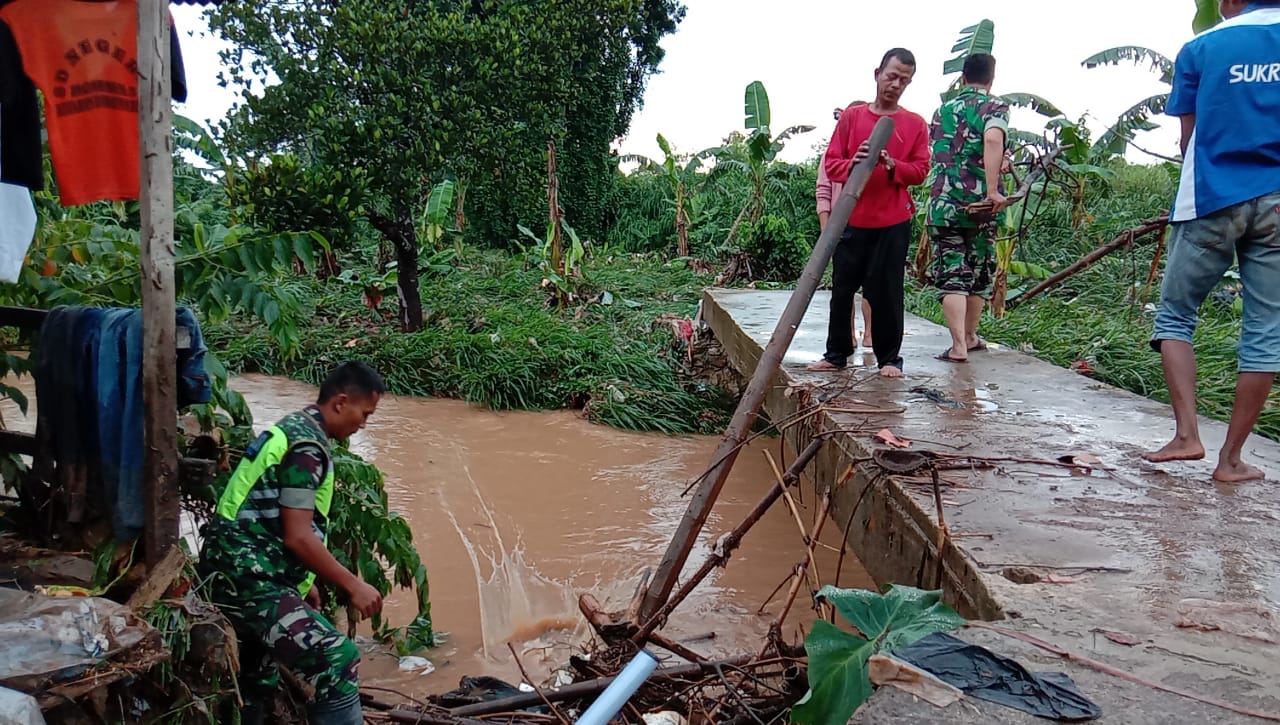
{"x":17,"y":229}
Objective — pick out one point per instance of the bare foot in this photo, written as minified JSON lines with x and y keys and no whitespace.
{"x":822,"y":366}
{"x":889,"y":371}
{"x":866,"y":340}
{"x":1177,"y":449}
{"x":1237,"y":472}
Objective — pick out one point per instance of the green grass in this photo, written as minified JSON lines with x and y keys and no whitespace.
{"x":491,"y":338}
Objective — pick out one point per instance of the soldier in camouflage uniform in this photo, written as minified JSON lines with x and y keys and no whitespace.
{"x":968,"y":136}
{"x":266,"y":543}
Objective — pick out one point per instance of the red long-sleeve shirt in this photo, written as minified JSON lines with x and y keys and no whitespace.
{"x":885,"y":201}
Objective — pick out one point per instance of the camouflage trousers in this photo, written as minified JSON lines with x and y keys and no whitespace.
{"x":275,"y":627}
{"x":964,"y":260}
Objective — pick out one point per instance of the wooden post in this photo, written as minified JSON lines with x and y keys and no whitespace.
{"x":159,"y":367}
{"x":770,"y":360}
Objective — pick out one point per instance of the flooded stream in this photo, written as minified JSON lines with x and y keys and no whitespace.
{"x":516,"y":514}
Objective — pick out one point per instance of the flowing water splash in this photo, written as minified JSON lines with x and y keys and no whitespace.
{"x":517,"y":603}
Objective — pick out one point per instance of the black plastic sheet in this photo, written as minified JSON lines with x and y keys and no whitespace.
{"x":987,"y":676}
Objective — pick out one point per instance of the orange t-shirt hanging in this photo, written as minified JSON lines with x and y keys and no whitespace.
{"x":83,"y":58}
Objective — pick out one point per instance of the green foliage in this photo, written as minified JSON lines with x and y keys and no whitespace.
{"x":492,"y":340}
{"x":1207,"y":15}
{"x":838,"y":681}
{"x":540,"y":257}
{"x":369,"y":538}
{"x":978,"y":38}
{"x":1137,"y":55}
{"x":756,"y":107}
{"x":776,"y":252}
{"x":1116,"y":140}
{"x":683,"y":180}
{"x":436,"y":216}
{"x":412,"y":93}
{"x":283,"y":193}
{"x":755,"y":152}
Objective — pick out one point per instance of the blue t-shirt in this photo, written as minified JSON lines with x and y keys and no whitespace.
{"x":1229,"y":77}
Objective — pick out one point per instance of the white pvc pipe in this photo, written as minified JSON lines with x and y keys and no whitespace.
{"x":621,"y":690}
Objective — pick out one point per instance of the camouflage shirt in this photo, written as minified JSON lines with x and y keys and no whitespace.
{"x":959,"y":178}
{"x":251,"y":549}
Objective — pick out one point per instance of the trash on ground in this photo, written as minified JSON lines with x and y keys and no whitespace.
{"x":422,"y":665}
{"x":885,"y":670}
{"x":889,"y":437}
{"x":987,"y":676}
{"x":1243,"y":620}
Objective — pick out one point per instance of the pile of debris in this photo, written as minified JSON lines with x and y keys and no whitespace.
{"x":77,"y":645}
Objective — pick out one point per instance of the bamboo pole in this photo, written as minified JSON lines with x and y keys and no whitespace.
{"x":730,"y":541}
{"x":159,"y":367}
{"x":1125,"y":239}
{"x":749,"y":407}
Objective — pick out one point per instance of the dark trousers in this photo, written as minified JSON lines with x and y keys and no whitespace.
{"x":872,"y":260}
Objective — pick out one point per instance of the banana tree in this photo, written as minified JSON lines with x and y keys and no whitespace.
{"x":681,"y":176}
{"x":761,"y":146}
{"x":1117,"y":139}
{"x":979,"y":38}
{"x":435,"y":215}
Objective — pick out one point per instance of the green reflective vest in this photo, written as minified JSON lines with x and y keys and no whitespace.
{"x":264,"y":454}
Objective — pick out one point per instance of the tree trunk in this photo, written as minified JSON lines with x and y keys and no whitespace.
{"x":407,"y":287}
{"x":999,"y":290}
{"x":404,"y":240}
{"x":924,"y":255}
{"x":556,"y":216}
{"x":682,"y":227}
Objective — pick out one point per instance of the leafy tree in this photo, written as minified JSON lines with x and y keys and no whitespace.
{"x":413,"y":93}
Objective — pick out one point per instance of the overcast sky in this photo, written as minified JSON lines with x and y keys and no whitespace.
{"x":813,"y":55}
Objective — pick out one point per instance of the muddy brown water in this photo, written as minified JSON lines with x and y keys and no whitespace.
{"x":517,"y":513}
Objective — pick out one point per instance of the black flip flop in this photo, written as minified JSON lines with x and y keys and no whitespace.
{"x":982,"y":345}
{"x":945,"y":356}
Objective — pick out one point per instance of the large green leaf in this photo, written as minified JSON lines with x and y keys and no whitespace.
{"x":1116,"y":139}
{"x":1032,"y":101}
{"x":794,"y":131}
{"x":895,"y":619}
{"x":664,"y":145}
{"x":192,"y":136}
{"x":838,"y":681}
{"x":1207,"y":15}
{"x":1137,"y":55}
{"x":757,"y":106}
{"x":980,"y":38}
{"x":440,"y":202}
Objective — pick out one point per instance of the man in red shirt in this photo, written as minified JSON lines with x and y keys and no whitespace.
{"x":872,"y":252}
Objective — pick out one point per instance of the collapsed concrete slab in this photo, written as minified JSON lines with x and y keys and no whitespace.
{"x":1058,"y":527}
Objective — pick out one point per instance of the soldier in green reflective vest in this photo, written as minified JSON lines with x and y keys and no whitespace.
{"x":265,"y":546}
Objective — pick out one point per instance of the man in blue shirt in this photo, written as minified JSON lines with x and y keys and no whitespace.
{"x":1226,"y":91}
